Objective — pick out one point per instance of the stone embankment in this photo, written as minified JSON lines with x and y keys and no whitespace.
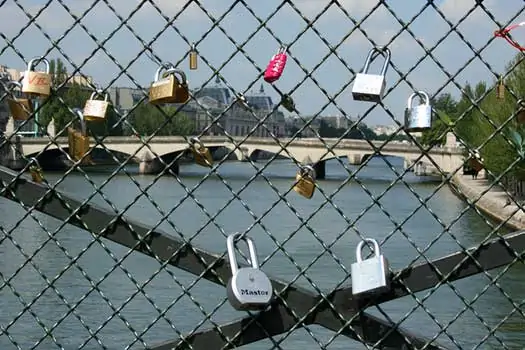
{"x":494,"y":202}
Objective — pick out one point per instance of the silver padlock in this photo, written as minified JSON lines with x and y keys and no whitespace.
{"x":370,"y":87}
{"x":249,"y":288}
{"x":370,"y":275}
{"x":418,"y":118}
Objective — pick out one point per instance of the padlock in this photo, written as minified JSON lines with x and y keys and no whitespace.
{"x":37,"y":175}
{"x":370,"y":87}
{"x":193,"y":57}
{"x":242,"y":101}
{"x":288,"y":103}
{"x":371,"y":275}
{"x":520,"y":117}
{"x":418,"y":118}
{"x":95,"y":110}
{"x":249,"y":288}
{"x":201,"y":154}
{"x":169,"y":88}
{"x":20,"y":108}
{"x":78,"y":146}
{"x":37,"y":83}
{"x":275,"y":67}
{"x":500,"y":89}
{"x":305,"y":181}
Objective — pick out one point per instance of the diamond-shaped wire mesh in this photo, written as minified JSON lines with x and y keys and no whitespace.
{"x":114,"y":216}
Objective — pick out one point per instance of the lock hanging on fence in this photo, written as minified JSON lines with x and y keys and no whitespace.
{"x":169,"y":88}
{"x":95,"y":110}
{"x":201,"y":154}
{"x":370,"y":275}
{"x":288,"y":103}
{"x":37,"y":174}
{"x":305,"y":181}
{"x":520,"y":116}
{"x":78,"y":141}
{"x":193,"y":57}
{"x":249,"y":288}
{"x":370,"y":87}
{"x":20,"y":108}
{"x":500,"y":89}
{"x":418,"y":118}
{"x":275,"y":67}
{"x":243,"y":102}
{"x":37,"y":83}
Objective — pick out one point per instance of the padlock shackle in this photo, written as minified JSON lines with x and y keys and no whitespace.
{"x":520,"y":103}
{"x":175,"y":71}
{"x":36,"y":61}
{"x":360,"y":245}
{"x":99,"y":93}
{"x":230,"y":245}
{"x":283,"y":49}
{"x":422,"y":95}
{"x":378,"y":50}
{"x":193,"y":47}
{"x":14,"y":83}
{"x":243,"y":101}
{"x":196,"y":143}
{"x":163,"y":66}
{"x":80,"y":115}
{"x":33,"y":160}
{"x":307,"y":170}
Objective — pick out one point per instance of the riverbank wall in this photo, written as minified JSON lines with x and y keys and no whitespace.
{"x":493,"y":202}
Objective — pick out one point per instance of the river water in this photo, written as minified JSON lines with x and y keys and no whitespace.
{"x":347,"y":212}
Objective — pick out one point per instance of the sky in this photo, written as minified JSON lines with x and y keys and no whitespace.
{"x":31,"y":28}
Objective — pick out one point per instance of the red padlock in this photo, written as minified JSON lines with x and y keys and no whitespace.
{"x":276,"y":66}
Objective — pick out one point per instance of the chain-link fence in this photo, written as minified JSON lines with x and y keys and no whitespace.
{"x":138,"y":137}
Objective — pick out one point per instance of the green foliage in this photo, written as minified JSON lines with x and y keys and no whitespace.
{"x":148,"y":119}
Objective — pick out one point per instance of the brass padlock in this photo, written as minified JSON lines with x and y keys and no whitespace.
{"x":288,"y":103}
{"x":20,"y":108}
{"x":193,"y":57}
{"x":37,"y":175}
{"x":169,"y":89}
{"x":305,"y":181}
{"x":500,"y":89}
{"x":37,"y":83}
{"x":201,"y":154}
{"x":520,"y":117}
{"x":95,"y":110}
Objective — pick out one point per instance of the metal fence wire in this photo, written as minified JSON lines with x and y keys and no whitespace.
{"x":115,"y":214}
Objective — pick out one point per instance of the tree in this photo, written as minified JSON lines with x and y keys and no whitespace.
{"x":149,"y":119}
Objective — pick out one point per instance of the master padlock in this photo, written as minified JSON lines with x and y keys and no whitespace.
{"x":370,"y":87}
{"x":370,"y":275}
{"x":20,"y":108}
{"x":418,"y":118}
{"x":305,"y":181}
{"x":275,"y":67}
{"x":249,"y":288}
{"x":95,"y":110}
{"x":201,"y":154}
{"x":37,"y":83}
{"x":169,"y":88}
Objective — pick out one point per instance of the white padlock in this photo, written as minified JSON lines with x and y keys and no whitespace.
{"x":370,"y":87}
{"x":249,"y":288}
{"x":418,"y":118}
{"x":370,"y":275}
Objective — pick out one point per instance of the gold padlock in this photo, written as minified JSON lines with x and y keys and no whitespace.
{"x":37,"y":175}
{"x":95,"y":110}
{"x":37,"y":83}
{"x":193,"y":57}
{"x":500,"y":89}
{"x":20,"y":108}
{"x":305,"y":181}
{"x":169,"y":89}
{"x":201,"y":154}
{"x":78,"y":146}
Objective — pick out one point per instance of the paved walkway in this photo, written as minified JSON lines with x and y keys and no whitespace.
{"x":493,"y":202}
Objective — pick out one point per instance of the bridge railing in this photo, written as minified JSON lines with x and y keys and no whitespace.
{"x":96,"y":252}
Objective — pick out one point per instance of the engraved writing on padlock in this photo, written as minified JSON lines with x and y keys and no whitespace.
{"x":370,"y":275}
{"x":275,"y":67}
{"x":418,"y":118}
{"x":305,"y":181}
{"x":370,"y":87}
{"x":500,"y":89}
{"x":169,"y":88}
{"x":193,"y":57}
{"x":37,"y":83}
{"x":249,"y":288}
{"x":201,"y":154}
{"x":37,"y":175}
{"x":95,"y":110}
{"x":288,"y":103}
{"x":20,"y":108}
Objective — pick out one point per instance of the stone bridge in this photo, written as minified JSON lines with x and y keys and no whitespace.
{"x":304,"y":150}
